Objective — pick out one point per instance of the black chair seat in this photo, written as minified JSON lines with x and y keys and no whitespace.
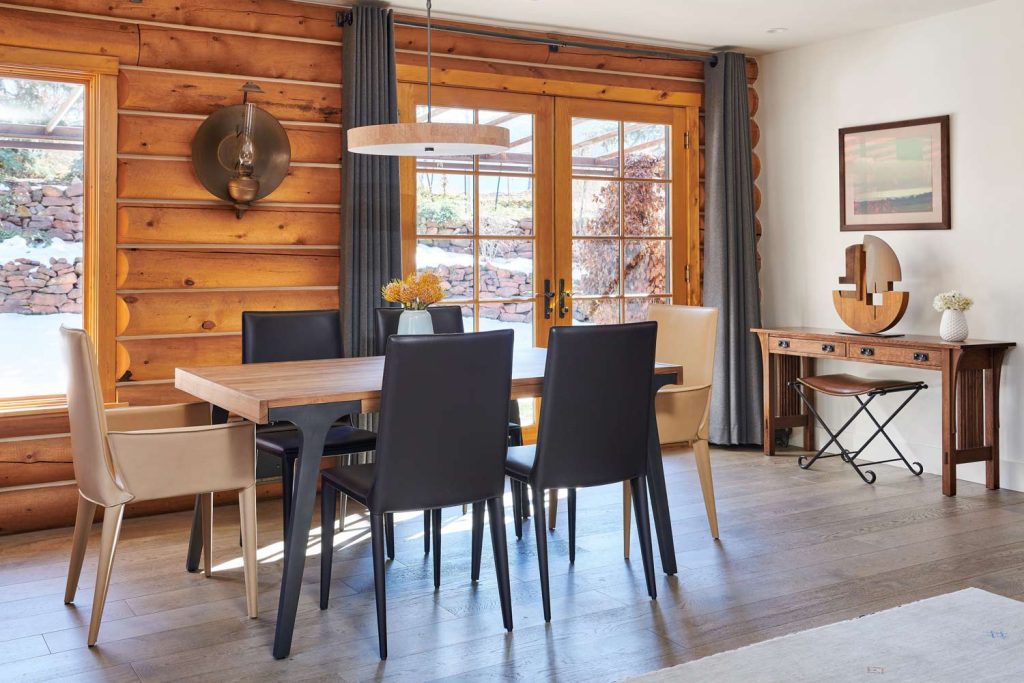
{"x":341,"y":440}
{"x":519,"y":463}
{"x":354,"y":480}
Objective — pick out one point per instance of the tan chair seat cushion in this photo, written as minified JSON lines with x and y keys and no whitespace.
{"x":852,"y":385}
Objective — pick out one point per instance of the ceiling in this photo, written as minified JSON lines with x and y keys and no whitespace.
{"x":691,"y":23}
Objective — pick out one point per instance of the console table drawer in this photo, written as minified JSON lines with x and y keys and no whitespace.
{"x":807,"y":347}
{"x":897,"y":355}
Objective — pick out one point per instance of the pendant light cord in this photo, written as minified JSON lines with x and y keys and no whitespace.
{"x":428,"y":61}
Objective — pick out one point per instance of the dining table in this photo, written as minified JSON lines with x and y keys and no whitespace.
{"x":312,"y":395}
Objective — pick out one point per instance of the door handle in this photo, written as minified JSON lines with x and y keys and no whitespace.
{"x":548,"y":297}
{"x":563,"y":293}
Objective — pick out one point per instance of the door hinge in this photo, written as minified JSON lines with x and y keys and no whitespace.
{"x":686,"y":272}
{"x":686,"y":140}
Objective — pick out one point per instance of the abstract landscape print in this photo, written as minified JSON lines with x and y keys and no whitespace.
{"x":895,"y":176}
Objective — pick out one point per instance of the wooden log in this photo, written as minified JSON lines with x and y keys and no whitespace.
{"x":150,"y":359}
{"x":139,"y":224}
{"x":25,"y":28}
{"x":756,"y":164}
{"x":162,"y":135}
{"x":753,"y":101}
{"x":272,"y":17}
{"x":194,"y":94}
{"x":225,"y":53}
{"x":184,"y":269}
{"x":34,"y":424}
{"x":41,"y":450}
{"x":166,"y":179}
{"x":152,"y":394}
{"x":199,"y":312}
{"x":24,"y":474}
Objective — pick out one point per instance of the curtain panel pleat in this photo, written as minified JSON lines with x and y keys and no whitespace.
{"x":730,"y":254}
{"x":371,"y":228}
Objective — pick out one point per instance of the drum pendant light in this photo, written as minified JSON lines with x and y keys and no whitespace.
{"x":428,"y":139}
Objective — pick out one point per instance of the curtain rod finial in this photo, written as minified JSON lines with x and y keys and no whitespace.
{"x":343,"y":18}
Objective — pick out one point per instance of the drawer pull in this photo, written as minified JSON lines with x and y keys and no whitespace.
{"x":921,"y":357}
{"x":783,"y":343}
{"x":867,"y":351}
{"x":828,"y":348}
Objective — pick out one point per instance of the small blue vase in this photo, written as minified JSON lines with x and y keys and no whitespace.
{"x":415,"y":322}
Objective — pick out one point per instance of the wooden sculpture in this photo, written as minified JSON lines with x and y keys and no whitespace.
{"x":873,"y":306}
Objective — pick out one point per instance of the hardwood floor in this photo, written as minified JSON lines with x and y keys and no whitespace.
{"x":798,"y":549}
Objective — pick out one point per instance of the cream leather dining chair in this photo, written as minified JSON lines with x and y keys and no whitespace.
{"x":686,"y":336}
{"x":134,"y":454}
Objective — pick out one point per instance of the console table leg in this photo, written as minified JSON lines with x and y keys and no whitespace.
{"x":807,"y":370}
{"x":949,"y":375}
{"x":992,"y":417}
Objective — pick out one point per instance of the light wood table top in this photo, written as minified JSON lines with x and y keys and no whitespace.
{"x":252,"y":390}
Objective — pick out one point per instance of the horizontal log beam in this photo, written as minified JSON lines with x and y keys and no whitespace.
{"x":173,"y":269}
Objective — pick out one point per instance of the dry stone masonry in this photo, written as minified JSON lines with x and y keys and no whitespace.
{"x":32,"y":288}
{"x":41,"y":212}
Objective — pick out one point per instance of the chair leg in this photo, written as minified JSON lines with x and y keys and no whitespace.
{"x":478,"y":538}
{"x":328,"y":505}
{"x":389,"y":532}
{"x":250,"y":565}
{"x":643,"y":529}
{"x":435,"y":517}
{"x":426,"y":532}
{"x":287,"y":489}
{"x":552,"y":507}
{"x":207,"y":512}
{"x":377,"y":547}
{"x":626,"y":521}
{"x":83,"y":525}
{"x":571,"y":507}
{"x":517,"y":508}
{"x":525,"y":504}
{"x":496,"y":520}
{"x":707,"y":484}
{"x":540,"y":529}
{"x":112,"y":518}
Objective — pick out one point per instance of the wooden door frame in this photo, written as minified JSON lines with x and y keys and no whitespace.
{"x":99,"y":76}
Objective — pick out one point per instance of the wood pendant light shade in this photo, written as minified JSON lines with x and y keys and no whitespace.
{"x":428,"y":139}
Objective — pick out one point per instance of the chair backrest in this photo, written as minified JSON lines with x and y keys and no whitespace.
{"x":443,"y":433}
{"x":94,"y":468}
{"x":273,"y":336}
{"x":445,"y":319}
{"x":686,"y":337}
{"x":595,"y":412}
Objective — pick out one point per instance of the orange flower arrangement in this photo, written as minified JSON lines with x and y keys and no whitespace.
{"x":415,"y":292}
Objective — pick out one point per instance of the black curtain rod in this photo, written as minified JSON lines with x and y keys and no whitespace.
{"x":345,"y":19}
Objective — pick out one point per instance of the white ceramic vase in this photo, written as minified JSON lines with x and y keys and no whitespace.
{"x":415,"y":322}
{"x":953,"y":327}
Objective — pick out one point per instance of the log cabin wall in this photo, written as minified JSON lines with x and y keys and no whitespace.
{"x":186,"y":268}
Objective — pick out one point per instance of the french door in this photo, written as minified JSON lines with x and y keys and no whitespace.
{"x":590,"y":216}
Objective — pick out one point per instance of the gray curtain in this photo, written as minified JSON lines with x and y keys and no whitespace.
{"x":370,"y":200}
{"x":730,"y":253}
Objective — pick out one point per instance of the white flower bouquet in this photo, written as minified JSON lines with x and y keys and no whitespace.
{"x":952,"y":301}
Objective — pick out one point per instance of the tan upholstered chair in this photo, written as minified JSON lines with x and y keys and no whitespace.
{"x":134,"y":454}
{"x":686,"y":336}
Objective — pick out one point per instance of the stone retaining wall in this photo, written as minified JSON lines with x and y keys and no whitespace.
{"x":41,"y":211}
{"x":32,"y":288}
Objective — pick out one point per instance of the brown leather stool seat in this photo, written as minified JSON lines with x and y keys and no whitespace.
{"x":851,"y":385}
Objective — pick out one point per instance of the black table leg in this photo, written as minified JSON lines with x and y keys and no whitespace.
{"x":218,"y":416}
{"x":313,"y":423}
{"x":656,"y":486}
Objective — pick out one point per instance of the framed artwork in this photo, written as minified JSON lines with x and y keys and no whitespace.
{"x":895,"y":176}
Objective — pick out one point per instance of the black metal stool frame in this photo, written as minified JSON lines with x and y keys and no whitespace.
{"x":849,"y":456}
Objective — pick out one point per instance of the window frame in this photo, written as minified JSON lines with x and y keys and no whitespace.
{"x":99,"y":316}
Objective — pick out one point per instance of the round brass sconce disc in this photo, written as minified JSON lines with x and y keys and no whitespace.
{"x":215,"y":151}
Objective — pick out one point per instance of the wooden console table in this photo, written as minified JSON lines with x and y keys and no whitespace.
{"x":970,"y":387}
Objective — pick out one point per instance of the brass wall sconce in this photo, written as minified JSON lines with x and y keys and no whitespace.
{"x":241,"y":153}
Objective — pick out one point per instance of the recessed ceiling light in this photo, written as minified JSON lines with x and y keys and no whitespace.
{"x":780,"y":29}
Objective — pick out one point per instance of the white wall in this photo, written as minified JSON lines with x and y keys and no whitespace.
{"x":969,"y":64}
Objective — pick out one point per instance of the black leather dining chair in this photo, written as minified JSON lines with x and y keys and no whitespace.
{"x":593,"y":428}
{"x":274,"y":336}
{"x":442,"y":442}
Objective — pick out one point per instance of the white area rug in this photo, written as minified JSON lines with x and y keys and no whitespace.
{"x":970,"y":635}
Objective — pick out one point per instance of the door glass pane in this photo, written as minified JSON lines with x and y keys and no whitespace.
{"x":444,"y":204}
{"x":595,"y":311}
{"x":506,"y":205}
{"x":646,"y":267}
{"x":645,"y":145}
{"x":636,"y":309}
{"x":506,"y":269}
{"x":517,"y":317}
{"x":519,"y":157}
{"x":595,"y":207}
{"x":445,"y":115}
{"x":645,"y":209}
{"x":467,"y":318}
{"x":595,"y":267}
{"x":595,"y":147}
{"x":452,"y":260}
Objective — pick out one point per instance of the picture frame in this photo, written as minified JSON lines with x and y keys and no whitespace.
{"x":895,"y":176}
